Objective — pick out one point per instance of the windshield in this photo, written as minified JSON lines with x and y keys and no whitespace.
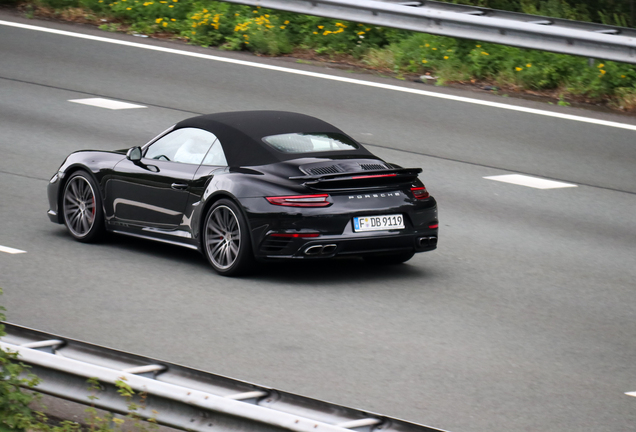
{"x":310,"y":142}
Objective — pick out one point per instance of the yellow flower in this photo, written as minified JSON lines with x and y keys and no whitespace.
{"x":434,"y":49}
{"x":361,"y":33}
{"x":326,"y":33}
{"x":602,"y":72}
{"x":194,"y":32}
{"x":170,"y":6}
{"x":622,"y":76}
{"x":445,"y":57}
{"x":321,"y":27}
{"x":194,"y":25}
{"x":427,"y":45}
{"x":158,"y":20}
{"x":518,"y":69}
{"x":128,"y":8}
{"x":424,"y":61}
{"x":247,"y":43}
{"x":315,"y":32}
{"x":528,"y":65}
{"x":266,"y":16}
{"x":286,"y":22}
{"x":165,"y":24}
{"x":485,"y":53}
{"x":478,"y":46}
{"x":367,"y":29}
{"x":601,"y":65}
{"x":282,"y":27}
{"x":246,"y":36}
{"x":254,"y":11}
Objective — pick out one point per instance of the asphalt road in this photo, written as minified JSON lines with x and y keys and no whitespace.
{"x":523,"y":320}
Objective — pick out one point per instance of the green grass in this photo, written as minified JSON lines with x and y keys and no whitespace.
{"x":237,"y":27}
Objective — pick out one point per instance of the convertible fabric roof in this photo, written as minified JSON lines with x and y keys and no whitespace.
{"x":241,"y":133}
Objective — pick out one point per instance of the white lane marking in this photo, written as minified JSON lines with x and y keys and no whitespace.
{"x":533,"y":182}
{"x":11,"y":250}
{"x":631,"y":394}
{"x":106,"y":103}
{"x":325,"y":76}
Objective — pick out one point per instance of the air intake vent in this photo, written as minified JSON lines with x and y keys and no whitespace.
{"x":373,"y":167}
{"x":275,"y":244}
{"x":333,"y":169}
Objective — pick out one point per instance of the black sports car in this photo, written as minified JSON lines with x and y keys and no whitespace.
{"x":240,"y":186}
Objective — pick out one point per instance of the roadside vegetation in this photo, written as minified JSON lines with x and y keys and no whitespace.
{"x":398,"y":53}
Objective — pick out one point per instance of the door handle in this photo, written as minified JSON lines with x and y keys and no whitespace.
{"x":179,"y":186}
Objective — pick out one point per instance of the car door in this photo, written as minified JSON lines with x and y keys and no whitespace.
{"x":154,"y":191}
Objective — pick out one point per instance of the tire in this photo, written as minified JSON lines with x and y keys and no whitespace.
{"x":226,"y":240}
{"x":389,"y":259}
{"x":82,"y":208}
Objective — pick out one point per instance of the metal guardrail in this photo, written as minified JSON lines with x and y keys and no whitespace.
{"x":467,"y":22}
{"x":178,"y":396}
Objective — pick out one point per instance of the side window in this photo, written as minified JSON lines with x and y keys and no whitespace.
{"x":187,"y":145}
{"x":215,"y":156}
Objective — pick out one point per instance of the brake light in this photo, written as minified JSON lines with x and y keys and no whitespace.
{"x":295,"y":235}
{"x":420,"y":192}
{"x":372,"y":176}
{"x":300,"y":200}
{"x":434,"y":225}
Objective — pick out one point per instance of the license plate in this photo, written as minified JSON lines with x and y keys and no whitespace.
{"x":377,"y":223}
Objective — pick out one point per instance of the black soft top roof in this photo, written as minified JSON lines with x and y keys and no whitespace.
{"x":241,"y":133}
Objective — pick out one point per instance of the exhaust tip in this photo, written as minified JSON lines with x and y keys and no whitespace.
{"x":329,"y":249}
{"x":313,"y":250}
{"x":427,"y":241}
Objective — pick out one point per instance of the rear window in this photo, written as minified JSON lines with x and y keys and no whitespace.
{"x":310,"y":142}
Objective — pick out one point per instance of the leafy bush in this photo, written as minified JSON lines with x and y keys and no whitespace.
{"x":237,"y":27}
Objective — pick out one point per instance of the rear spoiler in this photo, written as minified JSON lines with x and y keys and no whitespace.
{"x":360,"y":179}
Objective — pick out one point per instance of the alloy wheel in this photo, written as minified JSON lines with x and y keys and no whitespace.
{"x":223,"y":237}
{"x":79,"y":206}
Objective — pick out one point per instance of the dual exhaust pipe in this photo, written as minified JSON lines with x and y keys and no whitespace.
{"x":427,"y":241}
{"x":320,"y":250}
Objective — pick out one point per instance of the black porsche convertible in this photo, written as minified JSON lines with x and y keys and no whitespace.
{"x":245,"y":186}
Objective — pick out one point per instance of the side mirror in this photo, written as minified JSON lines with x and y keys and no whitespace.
{"x":134,"y":154}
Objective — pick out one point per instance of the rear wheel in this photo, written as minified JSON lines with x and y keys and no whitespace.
{"x":389,"y":259}
{"x":226,"y":239}
{"x":82,"y":208}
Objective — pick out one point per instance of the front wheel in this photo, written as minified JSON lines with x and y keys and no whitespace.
{"x":389,"y":259}
{"x":226,"y":239}
{"x":82,"y":208}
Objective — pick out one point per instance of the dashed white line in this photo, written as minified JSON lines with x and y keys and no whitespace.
{"x":325,"y":76}
{"x":106,"y":103}
{"x":533,"y":182}
{"x":9,"y":250}
{"x":631,"y":394}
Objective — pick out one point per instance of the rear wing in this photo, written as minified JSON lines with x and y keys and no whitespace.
{"x":360,"y":179}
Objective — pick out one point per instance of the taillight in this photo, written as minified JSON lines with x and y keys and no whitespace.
{"x":300,"y":200}
{"x":373,"y":176}
{"x":420,"y":192}
{"x":295,"y":235}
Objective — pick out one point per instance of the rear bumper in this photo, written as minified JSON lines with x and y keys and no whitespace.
{"x":330,"y":246}
{"x":332,"y":232}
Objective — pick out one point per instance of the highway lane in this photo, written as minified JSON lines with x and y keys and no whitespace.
{"x":487,"y":136}
{"x":522,"y":320}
